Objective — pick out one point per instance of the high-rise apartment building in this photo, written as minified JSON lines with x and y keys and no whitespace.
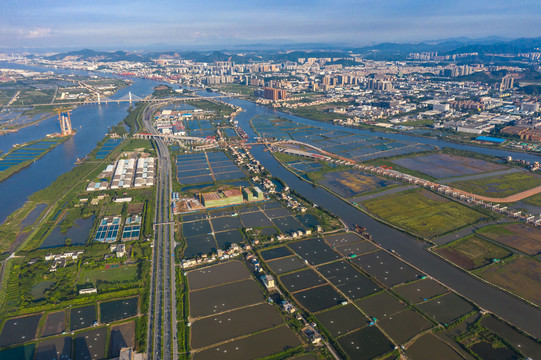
{"x":507,"y":83}
{"x":274,"y":94}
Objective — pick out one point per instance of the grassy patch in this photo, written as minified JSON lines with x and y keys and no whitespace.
{"x":34,"y":96}
{"x":326,"y":169}
{"x":423,"y":213}
{"x":533,"y":200}
{"x":472,"y":252}
{"x":418,"y":123}
{"x":501,"y":186}
{"x":237,"y":88}
{"x":120,"y":274}
{"x":134,"y":117}
{"x":12,"y":226}
{"x":220,"y":110}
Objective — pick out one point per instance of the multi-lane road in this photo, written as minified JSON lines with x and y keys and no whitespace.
{"x":162,"y":339}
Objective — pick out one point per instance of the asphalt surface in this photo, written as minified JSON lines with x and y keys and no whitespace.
{"x":162,"y":337}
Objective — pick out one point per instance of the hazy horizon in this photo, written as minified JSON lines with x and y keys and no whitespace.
{"x":212,"y":24}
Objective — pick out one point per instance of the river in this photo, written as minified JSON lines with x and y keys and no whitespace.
{"x":92,"y":122}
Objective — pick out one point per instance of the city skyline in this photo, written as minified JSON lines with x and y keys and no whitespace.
{"x":129,"y":25}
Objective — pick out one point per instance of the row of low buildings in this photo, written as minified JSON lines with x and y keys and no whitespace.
{"x":126,"y":173}
{"x":244,"y":159}
{"x":525,"y":133}
{"x":234,"y":250}
{"x":60,"y":260}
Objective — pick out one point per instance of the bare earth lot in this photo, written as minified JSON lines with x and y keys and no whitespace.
{"x":519,"y":236}
{"x":121,"y":336}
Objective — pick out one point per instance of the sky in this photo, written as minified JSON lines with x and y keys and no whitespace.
{"x":128,"y":25}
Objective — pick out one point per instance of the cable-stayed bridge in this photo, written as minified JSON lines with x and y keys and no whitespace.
{"x":130,"y":97}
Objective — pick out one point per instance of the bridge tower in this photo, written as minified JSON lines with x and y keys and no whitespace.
{"x":65,"y":122}
{"x":130,"y":97}
{"x":99,"y":99}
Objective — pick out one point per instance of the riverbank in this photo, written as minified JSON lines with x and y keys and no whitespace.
{"x":46,"y":113}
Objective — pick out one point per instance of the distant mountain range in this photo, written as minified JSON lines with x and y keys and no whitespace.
{"x":92,"y":55}
{"x":489,"y":45}
{"x":459,"y":46}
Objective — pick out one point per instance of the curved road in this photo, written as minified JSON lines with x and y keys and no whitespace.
{"x":512,"y":198}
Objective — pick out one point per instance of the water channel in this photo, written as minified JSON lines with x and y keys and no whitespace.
{"x":410,"y":249}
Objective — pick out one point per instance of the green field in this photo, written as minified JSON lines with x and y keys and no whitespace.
{"x":501,"y":186}
{"x":282,"y":157}
{"x":120,"y":274}
{"x":520,"y":275}
{"x":314,"y":113}
{"x":472,"y":252}
{"x":423,"y":213}
{"x":220,"y":110}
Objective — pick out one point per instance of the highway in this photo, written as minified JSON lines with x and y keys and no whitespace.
{"x":161,"y":337}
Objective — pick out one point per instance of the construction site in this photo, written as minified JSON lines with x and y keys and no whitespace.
{"x":217,"y":198}
{"x":64,"y":119}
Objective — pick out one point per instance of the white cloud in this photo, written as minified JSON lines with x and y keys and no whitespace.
{"x":36,"y":33}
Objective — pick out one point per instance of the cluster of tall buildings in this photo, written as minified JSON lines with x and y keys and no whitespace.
{"x":426,"y":56}
{"x":218,"y":79}
{"x":340,"y":80}
{"x":506,"y":83}
{"x":253,"y":81}
{"x":525,"y":133}
{"x":377,"y":84}
{"x":456,"y":71}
